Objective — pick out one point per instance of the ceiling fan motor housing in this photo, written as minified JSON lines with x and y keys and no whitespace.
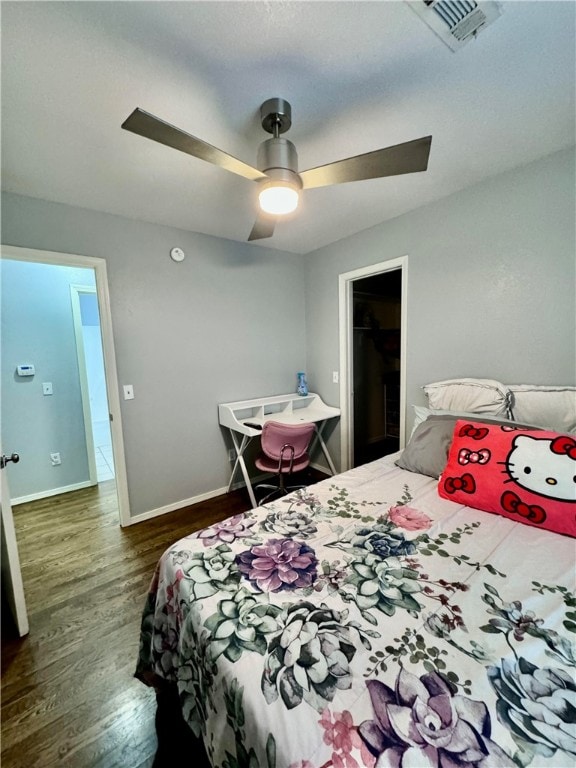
{"x":278,"y":159}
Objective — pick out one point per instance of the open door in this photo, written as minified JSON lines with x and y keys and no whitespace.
{"x":11,"y":574}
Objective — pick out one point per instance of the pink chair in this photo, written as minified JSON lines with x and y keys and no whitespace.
{"x":284,"y":451}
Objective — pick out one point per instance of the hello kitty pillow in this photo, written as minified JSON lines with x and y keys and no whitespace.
{"x":527,"y":475}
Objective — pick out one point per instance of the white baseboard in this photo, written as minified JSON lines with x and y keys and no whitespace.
{"x":176,"y":505}
{"x":52,"y":492}
{"x":188,"y":502}
{"x":203,"y":497}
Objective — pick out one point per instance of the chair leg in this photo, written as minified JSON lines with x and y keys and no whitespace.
{"x":269,"y":496}
{"x":290,"y":488}
{"x":273,"y":490}
{"x":280,"y":489}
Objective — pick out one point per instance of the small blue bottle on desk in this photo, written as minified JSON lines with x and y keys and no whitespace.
{"x":302,"y":387}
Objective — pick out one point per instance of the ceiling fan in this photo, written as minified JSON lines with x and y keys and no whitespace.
{"x":277,"y":173}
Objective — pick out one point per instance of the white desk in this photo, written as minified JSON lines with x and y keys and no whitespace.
{"x":245,"y":419}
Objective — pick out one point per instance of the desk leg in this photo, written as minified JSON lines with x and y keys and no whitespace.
{"x":324,"y":448}
{"x":240,"y":448}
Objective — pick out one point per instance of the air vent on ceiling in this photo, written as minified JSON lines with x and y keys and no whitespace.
{"x":456,"y":22}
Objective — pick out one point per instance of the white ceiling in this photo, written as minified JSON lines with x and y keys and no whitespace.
{"x":359,"y":76}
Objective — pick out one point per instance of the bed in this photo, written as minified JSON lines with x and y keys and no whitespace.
{"x":374,"y":619}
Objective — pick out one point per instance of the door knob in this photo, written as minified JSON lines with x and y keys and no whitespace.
{"x":5,"y":459}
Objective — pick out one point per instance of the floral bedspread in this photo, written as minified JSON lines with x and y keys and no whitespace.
{"x":366,"y":622}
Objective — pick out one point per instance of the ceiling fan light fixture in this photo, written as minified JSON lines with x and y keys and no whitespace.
{"x":279,"y":192}
{"x":278,"y":198}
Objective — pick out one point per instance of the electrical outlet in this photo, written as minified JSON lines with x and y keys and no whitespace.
{"x":232,"y":455}
{"x":55,"y":459}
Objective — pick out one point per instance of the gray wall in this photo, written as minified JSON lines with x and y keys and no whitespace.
{"x":491,"y":283}
{"x":225,"y":324}
{"x":37,"y":327}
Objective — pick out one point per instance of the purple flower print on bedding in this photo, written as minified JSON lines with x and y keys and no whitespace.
{"x":421,"y":723}
{"x":279,"y":564}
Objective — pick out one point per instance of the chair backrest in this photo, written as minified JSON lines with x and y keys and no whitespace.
{"x":276,"y":435}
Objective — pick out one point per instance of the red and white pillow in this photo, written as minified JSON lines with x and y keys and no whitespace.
{"x":523,"y":474}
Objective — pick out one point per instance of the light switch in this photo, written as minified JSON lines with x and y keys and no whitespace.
{"x":46,"y":387}
{"x":128,"y":392}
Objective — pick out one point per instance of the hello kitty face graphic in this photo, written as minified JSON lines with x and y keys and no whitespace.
{"x":543,"y":466}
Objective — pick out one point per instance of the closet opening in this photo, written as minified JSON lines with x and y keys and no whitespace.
{"x":376,"y":354}
{"x":372,"y":325}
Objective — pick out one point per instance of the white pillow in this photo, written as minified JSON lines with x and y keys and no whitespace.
{"x":545,"y":406}
{"x":469,"y":396}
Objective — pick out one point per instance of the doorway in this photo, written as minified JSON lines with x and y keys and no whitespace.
{"x":372,"y":318}
{"x":92,"y":272}
{"x":376,"y":337}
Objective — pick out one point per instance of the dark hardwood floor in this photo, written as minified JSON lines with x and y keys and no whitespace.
{"x":69,"y":698}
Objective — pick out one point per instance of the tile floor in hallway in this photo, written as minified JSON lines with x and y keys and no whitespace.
{"x":103,"y":450}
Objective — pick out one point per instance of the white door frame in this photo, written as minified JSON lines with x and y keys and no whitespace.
{"x":75,"y":291}
{"x":110,"y":371}
{"x":345,"y":318}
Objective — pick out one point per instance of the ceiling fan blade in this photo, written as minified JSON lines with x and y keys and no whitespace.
{"x":410,"y":157}
{"x":151,"y":127}
{"x":263,"y":227}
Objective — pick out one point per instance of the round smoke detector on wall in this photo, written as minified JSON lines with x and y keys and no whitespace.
{"x":177,"y":254}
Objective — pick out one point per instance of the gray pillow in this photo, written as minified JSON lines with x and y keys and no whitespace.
{"x":427,"y":449}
